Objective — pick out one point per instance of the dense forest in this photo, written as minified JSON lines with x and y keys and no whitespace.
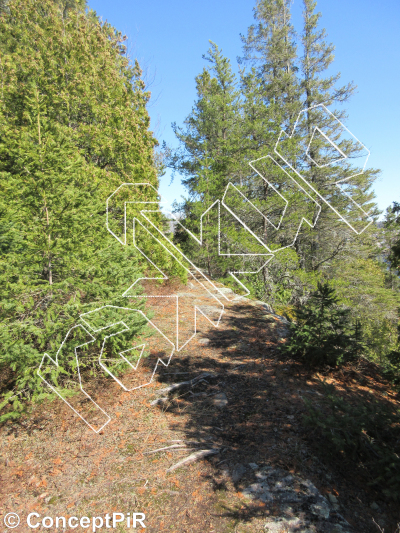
{"x":280,"y":204}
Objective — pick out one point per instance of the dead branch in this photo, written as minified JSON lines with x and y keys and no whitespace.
{"x":194,"y":457}
{"x":174,"y":446}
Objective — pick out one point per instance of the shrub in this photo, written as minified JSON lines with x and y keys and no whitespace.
{"x":322,"y":332}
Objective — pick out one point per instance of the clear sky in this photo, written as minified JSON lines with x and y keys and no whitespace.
{"x":169,"y":38}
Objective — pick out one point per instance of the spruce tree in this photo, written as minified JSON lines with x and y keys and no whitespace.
{"x":319,"y":246}
{"x":322,"y":333}
{"x":271,"y":103}
{"x":208,"y":158}
{"x":270,"y":47}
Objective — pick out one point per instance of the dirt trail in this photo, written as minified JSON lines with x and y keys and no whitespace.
{"x":248,"y":411}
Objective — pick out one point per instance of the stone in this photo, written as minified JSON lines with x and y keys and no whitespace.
{"x":343,"y":520}
{"x":337,"y":528}
{"x":204,"y":341}
{"x":321,"y":509}
{"x":220,"y":400}
{"x":266,"y":306}
{"x":282,"y":319}
{"x":374,"y":506}
{"x":240,"y":299}
{"x":159,"y":401}
{"x":282,"y":525}
{"x":332,"y":498}
{"x":310,"y":488}
{"x":238,"y":472}
{"x":289,"y":496}
{"x":266,"y":496}
{"x":224,"y":290}
{"x":252,"y":489}
{"x":295,"y":498}
{"x":253,"y":466}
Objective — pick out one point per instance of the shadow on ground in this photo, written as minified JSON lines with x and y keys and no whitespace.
{"x":251,"y":408}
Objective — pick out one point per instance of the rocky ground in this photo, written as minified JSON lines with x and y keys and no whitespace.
{"x":216,"y":443}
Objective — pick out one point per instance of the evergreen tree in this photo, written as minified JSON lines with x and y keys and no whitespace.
{"x":322,"y":333}
{"x":329,"y":238}
{"x":73,"y":127}
{"x":270,"y":47}
{"x":208,"y":158}
{"x":271,"y":103}
{"x":392,"y":226}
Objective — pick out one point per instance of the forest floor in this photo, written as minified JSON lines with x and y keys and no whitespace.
{"x":248,"y":411}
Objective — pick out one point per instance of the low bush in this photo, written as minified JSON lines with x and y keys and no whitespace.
{"x":323,"y":332}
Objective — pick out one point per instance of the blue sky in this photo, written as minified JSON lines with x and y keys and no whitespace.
{"x":169,"y":38}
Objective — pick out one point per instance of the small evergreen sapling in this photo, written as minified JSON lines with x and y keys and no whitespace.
{"x":323,"y":332}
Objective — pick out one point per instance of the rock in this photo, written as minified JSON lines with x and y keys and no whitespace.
{"x":243,"y":346}
{"x":261,"y":475}
{"x":266,"y":306}
{"x":310,"y":488}
{"x":204,"y":341}
{"x":266,"y":496}
{"x":241,"y":299}
{"x":210,"y":309}
{"x":289,"y":496}
{"x":282,"y":332}
{"x":332,"y":498}
{"x":343,"y":520}
{"x":238,"y":472}
{"x":282,"y":319}
{"x":298,"y":504}
{"x":253,"y":466}
{"x":321,"y":509}
{"x":252,"y":489}
{"x":224,"y":290}
{"x":220,"y":400}
{"x":282,"y":525}
{"x":374,"y":506}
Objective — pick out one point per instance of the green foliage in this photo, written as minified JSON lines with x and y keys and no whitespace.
{"x":365,"y":431}
{"x":237,"y":121}
{"x":360,"y":284}
{"x":322,"y":333}
{"x":73,"y":127}
{"x":392,"y":225}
